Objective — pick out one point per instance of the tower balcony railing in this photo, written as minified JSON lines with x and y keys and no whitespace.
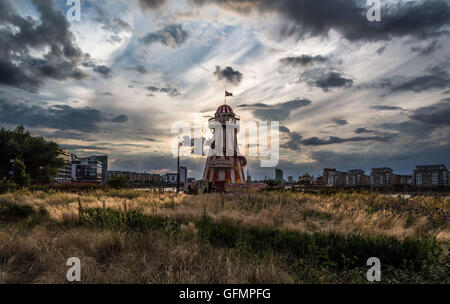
{"x":232,"y":119}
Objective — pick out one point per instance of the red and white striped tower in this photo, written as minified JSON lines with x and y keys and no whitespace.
{"x":224,"y":165}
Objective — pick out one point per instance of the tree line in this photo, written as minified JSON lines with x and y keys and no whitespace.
{"x":26,"y":158}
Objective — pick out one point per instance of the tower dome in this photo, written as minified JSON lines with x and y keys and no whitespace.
{"x":224,"y":109}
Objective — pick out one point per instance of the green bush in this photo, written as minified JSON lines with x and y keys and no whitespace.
{"x":7,"y":185}
{"x":15,"y":213}
{"x":130,"y":220}
{"x":118,"y":182}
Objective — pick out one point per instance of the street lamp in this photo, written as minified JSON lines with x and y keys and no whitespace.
{"x":178,"y":165}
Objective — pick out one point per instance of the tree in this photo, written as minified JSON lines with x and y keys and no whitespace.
{"x":40,"y":157}
{"x":20,"y":177}
{"x":118,"y":182}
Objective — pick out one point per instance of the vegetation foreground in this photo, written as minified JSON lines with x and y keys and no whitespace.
{"x":131,"y":236}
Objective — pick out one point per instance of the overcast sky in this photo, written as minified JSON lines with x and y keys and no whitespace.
{"x":348,"y":93}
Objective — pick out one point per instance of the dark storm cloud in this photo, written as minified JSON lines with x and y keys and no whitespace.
{"x":141,"y":69}
{"x":230,"y":75}
{"x":340,"y":121}
{"x":293,"y":139}
{"x":385,"y":108}
{"x":420,"y":19}
{"x":333,"y":80}
{"x":278,"y":112}
{"x":120,"y":118}
{"x":410,"y":128}
{"x":422,"y":83}
{"x":303,"y":60}
{"x":62,"y":117}
{"x":430,"y":48}
{"x":151,"y":4}
{"x":437,"y":78}
{"x":364,"y":130}
{"x":114,"y":24}
{"x":20,"y":36}
{"x":103,"y":70}
{"x":171,"y":35}
{"x":172,"y":92}
{"x":381,"y":50}
{"x":423,"y":121}
{"x":437,"y":114}
{"x":315,"y":141}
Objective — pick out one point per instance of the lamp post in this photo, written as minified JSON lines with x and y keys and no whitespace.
{"x":178,"y":166}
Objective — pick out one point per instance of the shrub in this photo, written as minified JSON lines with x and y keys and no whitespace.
{"x":118,"y":182}
{"x":128,"y":220}
{"x":7,"y":185}
{"x":14,"y":213}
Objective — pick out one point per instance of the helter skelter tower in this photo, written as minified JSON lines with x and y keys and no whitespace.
{"x":224,"y":165}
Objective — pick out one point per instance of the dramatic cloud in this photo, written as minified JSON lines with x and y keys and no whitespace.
{"x":315,"y":141}
{"x":340,"y":121}
{"x":427,"y":49}
{"x":228,"y":74}
{"x":103,"y":70}
{"x":151,"y":4}
{"x":364,"y":130}
{"x":381,"y":50}
{"x":114,"y":24}
{"x":325,"y":80}
{"x":285,"y":48}
{"x":385,"y":108}
{"x":437,"y":114}
{"x":21,"y":37}
{"x":141,"y":69}
{"x":422,"y":83}
{"x":120,"y":118}
{"x":279,"y":111}
{"x":62,"y":117}
{"x":303,"y":60}
{"x":293,"y":140}
{"x":172,"y":92}
{"x":171,"y":35}
{"x":436,"y":79}
{"x":420,"y":19}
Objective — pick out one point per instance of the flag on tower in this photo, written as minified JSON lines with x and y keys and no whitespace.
{"x":227,"y":94}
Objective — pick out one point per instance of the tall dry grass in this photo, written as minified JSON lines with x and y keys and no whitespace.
{"x":369,"y":214}
{"x":37,"y":253}
{"x":40,"y":256}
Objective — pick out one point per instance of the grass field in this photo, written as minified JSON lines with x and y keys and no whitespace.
{"x":130,"y":236}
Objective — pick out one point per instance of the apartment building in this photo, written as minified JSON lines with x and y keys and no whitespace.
{"x":431,"y":176}
{"x":87,"y":169}
{"x":64,"y":174}
{"x":137,"y":177}
{"x":381,"y":177}
{"x":355,"y":178}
